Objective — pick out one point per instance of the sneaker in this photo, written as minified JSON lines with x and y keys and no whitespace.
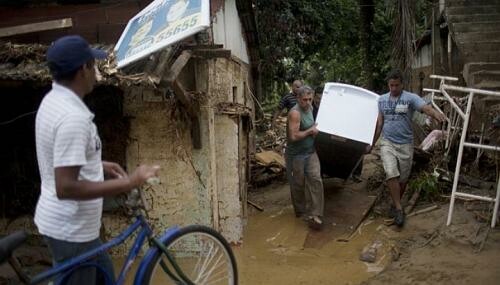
{"x":315,"y":223}
{"x":399,"y":218}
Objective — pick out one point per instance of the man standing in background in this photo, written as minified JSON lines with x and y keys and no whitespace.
{"x":287,"y":101}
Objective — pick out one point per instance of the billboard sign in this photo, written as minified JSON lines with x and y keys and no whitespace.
{"x":161,"y":23}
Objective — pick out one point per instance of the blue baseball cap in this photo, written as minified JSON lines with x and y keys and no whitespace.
{"x":69,"y":53}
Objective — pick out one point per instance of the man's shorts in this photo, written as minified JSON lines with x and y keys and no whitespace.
{"x":397,"y":159}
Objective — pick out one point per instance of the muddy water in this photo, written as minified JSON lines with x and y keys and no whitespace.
{"x":273,"y":253}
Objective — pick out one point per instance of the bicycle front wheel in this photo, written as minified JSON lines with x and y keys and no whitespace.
{"x":202,"y":254}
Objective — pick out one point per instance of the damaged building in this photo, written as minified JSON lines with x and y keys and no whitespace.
{"x":188,"y":108}
{"x":461,"y":43}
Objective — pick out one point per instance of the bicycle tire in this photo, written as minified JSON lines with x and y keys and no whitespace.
{"x":197,"y":238}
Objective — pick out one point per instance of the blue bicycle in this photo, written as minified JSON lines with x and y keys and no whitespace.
{"x":189,"y":255}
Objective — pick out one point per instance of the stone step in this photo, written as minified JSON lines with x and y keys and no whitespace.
{"x":486,"y":77}
{"x":482,"y":56}
{"x":492,"y":86}
{"x":461,"y":38}
{"x":473,"y":17}
{"x":473,"y":67}
{"x":455,"y":3}
{"x":470,"y":47}
{"x":493,"y":26}
{"x":473,"y":71}
{"x":476,"y":9}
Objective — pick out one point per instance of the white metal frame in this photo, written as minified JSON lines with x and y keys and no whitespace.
{"x":443,"y":87}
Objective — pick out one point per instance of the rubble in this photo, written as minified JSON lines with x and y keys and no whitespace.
{"x":27,"y":62}
{"x":268,"y":163}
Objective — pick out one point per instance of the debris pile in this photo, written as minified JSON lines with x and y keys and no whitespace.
{"x":28,"y":62}
{"x":269,"y":162}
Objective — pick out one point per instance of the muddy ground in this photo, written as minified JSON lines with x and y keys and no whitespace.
{"x":425,"y":251}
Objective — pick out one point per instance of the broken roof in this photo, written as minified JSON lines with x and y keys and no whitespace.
{"x":26,"y":62}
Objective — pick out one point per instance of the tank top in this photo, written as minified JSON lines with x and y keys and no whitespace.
{"x":306,"y":145}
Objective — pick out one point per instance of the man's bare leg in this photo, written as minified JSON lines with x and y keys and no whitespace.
{"x":395,"y":191}
{"x":402,"y":186}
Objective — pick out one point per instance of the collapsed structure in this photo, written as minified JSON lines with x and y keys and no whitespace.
{"x":188,"y":108}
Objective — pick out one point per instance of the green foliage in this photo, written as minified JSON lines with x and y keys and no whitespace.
{"x":428,"y":186}
{"x":319,"y":41}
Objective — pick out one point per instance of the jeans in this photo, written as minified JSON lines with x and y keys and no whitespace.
{"x":64,"y":250}
{"x":306,"y":186}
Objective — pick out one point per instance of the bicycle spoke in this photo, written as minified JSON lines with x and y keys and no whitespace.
{"x":209,"y":272}
{"x":205,"y":263}
{"x":202,"y":255}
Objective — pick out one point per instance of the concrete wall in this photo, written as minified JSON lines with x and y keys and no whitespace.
{"x":199,"y":186}
{"x":228,"y":83}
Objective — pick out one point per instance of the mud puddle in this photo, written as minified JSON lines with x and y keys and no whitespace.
{"x":273,"y":249}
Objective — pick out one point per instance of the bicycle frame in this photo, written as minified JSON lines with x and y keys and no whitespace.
{"x":145,"y":232}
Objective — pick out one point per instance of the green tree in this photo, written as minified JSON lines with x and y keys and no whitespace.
{"x":321,"y":41}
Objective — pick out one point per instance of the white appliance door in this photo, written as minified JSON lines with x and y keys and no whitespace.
{"x":348,"y":111}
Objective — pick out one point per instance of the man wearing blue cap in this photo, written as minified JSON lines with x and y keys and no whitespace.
{"x":68,"y":212}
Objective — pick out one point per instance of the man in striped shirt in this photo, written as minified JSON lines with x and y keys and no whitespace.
{"x":68,"y":212}
{"x":287,"y":101}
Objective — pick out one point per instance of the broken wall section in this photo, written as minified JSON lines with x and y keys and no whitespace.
{"x":204,"y":185}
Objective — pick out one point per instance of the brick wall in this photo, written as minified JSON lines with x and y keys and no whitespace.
{"x":98,"y":23}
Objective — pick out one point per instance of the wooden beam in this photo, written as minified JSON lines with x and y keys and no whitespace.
{"x":178,"y":65}
{"x":181,"y":94}
{"x":212,"y":53}
{"x":195,"y":47}
{"x":36,"y":27}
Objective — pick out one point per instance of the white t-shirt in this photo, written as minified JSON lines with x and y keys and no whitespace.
{"x":66,"y":136}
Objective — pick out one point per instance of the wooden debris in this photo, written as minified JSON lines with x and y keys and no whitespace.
{"x":458,"y":197}
{"x":433,"y":236}
{"x":413,"y":200}
{"x":388,"y":222}
{"x":267,"y":158}
{"x":395,"y":253}
{"x":483,"y":242}
{"x":236,"y":109}
{"x":268,"y":164}
{"x":28,"y":62}
{"x":36,"y":27}
{"x":425,"y":210}
{"x":256,"y":206}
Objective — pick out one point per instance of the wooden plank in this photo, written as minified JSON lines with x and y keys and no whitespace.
{"x":36,"y":27}
{"x":195,"y":47}
{"x":178,"y":65}
{"x":212,"y":53}
{"x":180,"y":93}
{"x":196,"y":133}
{"x":269,"y":157}
{"x":257,"y":206}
